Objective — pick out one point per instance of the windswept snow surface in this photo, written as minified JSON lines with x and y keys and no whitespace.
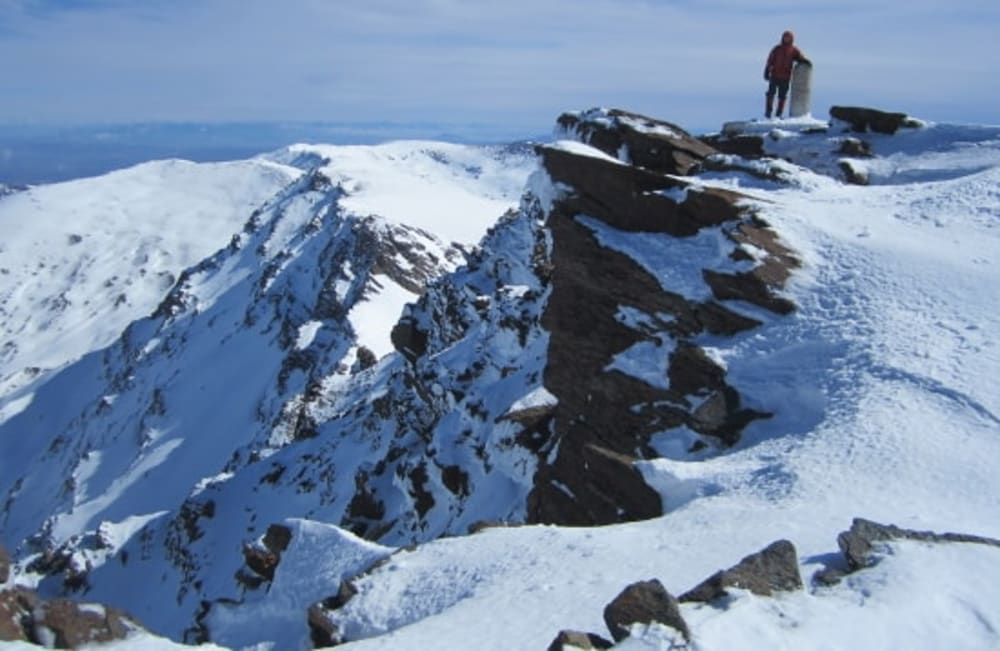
{"x":81,"y":260}
{"x":453,"y":191}
{"x":883,"y":386}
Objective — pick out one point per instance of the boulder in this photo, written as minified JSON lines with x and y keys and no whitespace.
{"x":773,"y":569}
{"x":645,"y":602}
{"x":567,"y":640}
{"x":862,"y":119}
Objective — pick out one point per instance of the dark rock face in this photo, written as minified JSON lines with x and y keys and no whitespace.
{"x":859,"y":542}
{"x":644,"y":602}
{"x":862,"y":120}
{"x":577,"y":640}
{"x":604,"y":418}
{"x":773,"y":569}
{"x":646,"y":142}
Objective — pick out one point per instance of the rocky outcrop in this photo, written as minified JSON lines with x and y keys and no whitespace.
{"x":862,"y":119}
{"x":773,"y":569}
{"x":642,"y":141}
{"x":60,"y":623}
{"x":645,"y":602}
{"x":603,"y":418}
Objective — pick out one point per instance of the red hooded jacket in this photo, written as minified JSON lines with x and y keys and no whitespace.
{"x":783,"y":56}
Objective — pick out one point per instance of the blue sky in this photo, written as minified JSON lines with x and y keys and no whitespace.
{"x":518,"y":63}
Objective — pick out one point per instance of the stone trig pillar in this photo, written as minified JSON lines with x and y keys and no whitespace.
{"x":800,"y":90}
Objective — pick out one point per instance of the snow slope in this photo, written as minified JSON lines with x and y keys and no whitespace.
{"x":81,"y":260}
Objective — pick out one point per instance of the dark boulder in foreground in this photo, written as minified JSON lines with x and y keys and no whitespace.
{"x":645,"y":602}
{"x":773,"y":569}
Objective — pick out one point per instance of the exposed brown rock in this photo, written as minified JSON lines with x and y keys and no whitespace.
{"x":74,"y":624}
{"x":867,"y":119}
{"x":744,"y":145}
{"x":773,"y":569}
{"x":632,"y":199}
{"x":647,"y":142}
{"x":749,"y":287}
{"x":16,"y":608}
{"x":603,"y":418}
{"x":644,"y":602}
{"x":4,"y":565}
{"x":62,"y":623}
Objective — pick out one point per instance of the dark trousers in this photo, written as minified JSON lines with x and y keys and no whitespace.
{"x":779,"y":86}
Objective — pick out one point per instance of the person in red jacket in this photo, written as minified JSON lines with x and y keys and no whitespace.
{"x":778,"y":71}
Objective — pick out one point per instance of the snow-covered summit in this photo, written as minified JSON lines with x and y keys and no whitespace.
{"x":689,"y":348}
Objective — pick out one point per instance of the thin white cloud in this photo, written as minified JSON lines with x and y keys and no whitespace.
{"x":473,"y":61}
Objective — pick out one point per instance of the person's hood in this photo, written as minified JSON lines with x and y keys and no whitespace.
{"x":789,"y":36}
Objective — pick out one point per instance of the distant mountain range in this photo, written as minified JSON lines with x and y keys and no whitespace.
{"x":32,"y":154}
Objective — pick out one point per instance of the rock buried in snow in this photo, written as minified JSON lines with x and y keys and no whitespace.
{"x":859,"y":542}
{"x":773,"y":569}
{"x":577,"y":640}
{"x":645,"y":602}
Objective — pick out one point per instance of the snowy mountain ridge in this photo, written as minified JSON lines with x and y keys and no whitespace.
{"x":713,"y":336}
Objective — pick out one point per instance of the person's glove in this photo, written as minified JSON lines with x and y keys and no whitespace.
{"x":767,"y":75}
